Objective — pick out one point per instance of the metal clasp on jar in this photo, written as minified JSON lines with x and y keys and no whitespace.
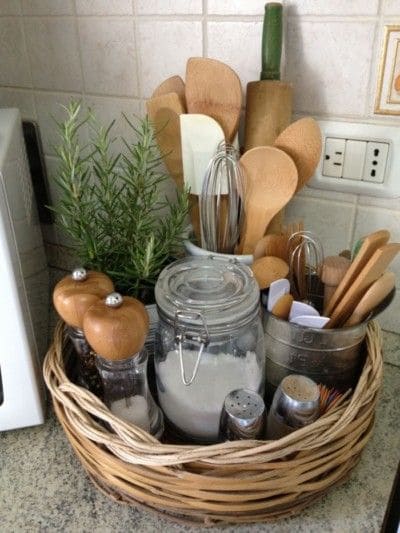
{"x":181,"y":334}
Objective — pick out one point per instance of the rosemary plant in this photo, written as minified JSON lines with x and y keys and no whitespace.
{"x":110,"y":205}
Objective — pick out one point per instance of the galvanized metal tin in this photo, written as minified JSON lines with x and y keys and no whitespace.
{"x":333,"y":357}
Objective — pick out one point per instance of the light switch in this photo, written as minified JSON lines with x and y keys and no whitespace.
{"x":354,"y":158}
{"x":333,"y":157}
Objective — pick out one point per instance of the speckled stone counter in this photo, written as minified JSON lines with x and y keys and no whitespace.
{"x":44,"y":488}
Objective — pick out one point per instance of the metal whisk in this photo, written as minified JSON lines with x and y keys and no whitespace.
{"x":221,"y":201}
{"x":306,"y":256}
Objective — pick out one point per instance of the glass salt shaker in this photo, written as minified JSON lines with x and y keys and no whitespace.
{"x":72,"y":296}
{"x":116,"y":328}
{"x":209,"y":342}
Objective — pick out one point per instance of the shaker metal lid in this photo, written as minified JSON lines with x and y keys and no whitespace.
{"x":223,"y":291}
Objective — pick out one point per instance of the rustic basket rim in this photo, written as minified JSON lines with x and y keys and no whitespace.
{"x":231,"y":482}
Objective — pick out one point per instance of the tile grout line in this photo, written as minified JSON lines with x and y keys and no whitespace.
{"x":28,"y":57}
{"x":138,"y":62}
{"x":204,"y":28}
{"x":78,"y":39}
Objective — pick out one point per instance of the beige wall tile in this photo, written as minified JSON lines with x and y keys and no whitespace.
{"x":104,"y":7}
{"x":169,"y":7}
{"x":332,"y":7}
{"x":239,"y":45}
{"x":108,"y":109}
{"x":53,"y":50}
{"x":165,"y":47}
{"x":326,"y":77}
{"x":330,"y":221}
{"x":14,"y":69}
{"x":236,"y":7}
{"x":371,"y":219}
{"x":10,"y":7}
{"x":47,"y":7}
{"x":23,"y":100}
{"x":108,"y":55}
{"x":391,"y":7}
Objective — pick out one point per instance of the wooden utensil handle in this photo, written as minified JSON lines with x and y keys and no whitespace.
{"x":268,"y":112}
{"x":271,"y":47}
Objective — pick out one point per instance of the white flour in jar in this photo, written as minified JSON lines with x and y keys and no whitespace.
{"x":196,"y":409}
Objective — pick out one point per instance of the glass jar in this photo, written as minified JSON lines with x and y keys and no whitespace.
{"x":126,"y":392}
{"x":209,"y":342}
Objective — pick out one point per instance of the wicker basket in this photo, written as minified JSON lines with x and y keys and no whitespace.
{"x":233,"y":482}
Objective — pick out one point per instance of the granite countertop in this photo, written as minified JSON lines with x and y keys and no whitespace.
{"x":44,"y":488}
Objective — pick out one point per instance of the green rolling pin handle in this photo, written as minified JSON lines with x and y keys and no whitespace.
{"x":271,"y":47}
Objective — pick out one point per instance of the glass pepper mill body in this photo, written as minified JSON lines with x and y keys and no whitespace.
{"x":116,"y":328}
{"x":127,"y":394}
{"x":87,"y":374}
{"x":72,"y":297}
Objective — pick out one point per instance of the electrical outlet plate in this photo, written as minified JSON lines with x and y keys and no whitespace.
{"x":369,"y":132}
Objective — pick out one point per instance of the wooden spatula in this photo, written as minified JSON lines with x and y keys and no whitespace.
{"x":271,"y":180}
{"x":168,"y":136}
{"x":374,"y":295}
{"x":375,"y":267}
{"x":370,"y":244}
{"x":168,"y":100}
{"x":176,"y":85}
{"x":214,"y":89}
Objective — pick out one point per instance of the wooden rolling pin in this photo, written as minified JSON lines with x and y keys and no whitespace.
{"x":268,"y":101}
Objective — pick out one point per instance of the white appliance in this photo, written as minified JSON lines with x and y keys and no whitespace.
{"x":24,"y":284}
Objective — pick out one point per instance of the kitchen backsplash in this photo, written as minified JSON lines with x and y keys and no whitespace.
{"x":112,"y":53}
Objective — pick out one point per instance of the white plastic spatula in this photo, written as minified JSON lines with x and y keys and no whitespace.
{"x":301,"y":309}
{"x":310,"y":321}
{"x":200,"y":137}
{"x":277,"y":289}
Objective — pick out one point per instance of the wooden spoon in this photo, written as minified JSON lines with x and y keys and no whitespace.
{"x":282,"y":307}
{"x":370,"y":244}
{"x":302,"y":141}
{"x":269,"y":269}
{"x":373,"y":270}
{"x":214,"y":89}
{"x":174,"y":84}
{"x":374,"y":296}
{"x":271,"y":180}
{"x":272,"y":244}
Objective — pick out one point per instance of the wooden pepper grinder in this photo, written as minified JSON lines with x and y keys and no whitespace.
{"x":333,"y":270}
{"x":72,"y":297}
{"x":116,"y":328}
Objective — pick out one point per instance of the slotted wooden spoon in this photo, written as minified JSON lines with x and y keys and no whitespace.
{"x":271,"y":180}
{"x":373,"y":270}
{"x":373,"y":297}
{"x":370,"y":244}
{"x":214,"y":89}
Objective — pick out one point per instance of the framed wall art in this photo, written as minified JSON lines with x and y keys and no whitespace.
{"x":387,"y":100}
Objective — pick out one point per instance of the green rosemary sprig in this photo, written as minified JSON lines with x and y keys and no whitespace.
{"x":110,"y":205}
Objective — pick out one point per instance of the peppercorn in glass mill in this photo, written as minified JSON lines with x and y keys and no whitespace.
{"x":72,"y":297}
{"x":116,"y":328}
